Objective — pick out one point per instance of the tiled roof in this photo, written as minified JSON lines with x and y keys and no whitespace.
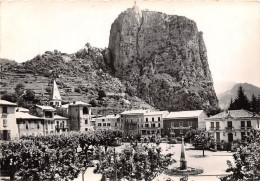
{"x":112,"y":116}
{"x":156,"y":113}
{"x":21,"y":109}
{"x":59,"y":117}
{"x":7,"y":103}
{"x":234,"y":113}
{"x":184,"y":114}
{"x":132,"y":112}
{"x":49,"y":108}
{"x":76,"y":103}
{"x":22,"y":115}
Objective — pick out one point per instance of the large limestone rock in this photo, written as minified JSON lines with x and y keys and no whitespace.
{"x":164,"y":59}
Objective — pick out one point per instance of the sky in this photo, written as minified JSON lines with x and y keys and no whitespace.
{"x":231,"y":30}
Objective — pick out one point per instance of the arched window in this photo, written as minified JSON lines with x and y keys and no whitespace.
{"x":85,"y":110}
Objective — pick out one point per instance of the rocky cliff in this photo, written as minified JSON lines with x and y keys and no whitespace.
{"x":163,"y":60}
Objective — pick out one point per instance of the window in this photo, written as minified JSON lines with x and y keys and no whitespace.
{"x":152,"y":119}
{"x":103,"y":120}
{"x":86,"y":121}
{"x":27,"y":126}
{"x":159,"y":119}
{"x":85,"y":110}
{"x":4,"y":123}
{"x":51,"y":103}
{"x":181,"y":131}
{"x":242,"y":124}
{"x":190,"y":123}
{"x":172,"y":124}
{"x":86,"y":129}
{"x":146,"y":125}
{"x":131,"y":121}
{"x":38,"y":125}
{"x":115,"y":124}
{"x":181,"y":123}
{"x":143,"y":132}
{"x":127,"y":120}
{"x":229,"y":124}
{"x":212,"y":124}
{"x":146,"y":119}
{"x":57,"y":103}
{"x":4,"y":109}
{"x":108,"y":124}
{"x":99,"y":124}
{"x":48,"y":114}
{"x":142,"y":125}
{"x":159,"y":124}
{"x":217,"y":125}
{"x":104,"y":124}
{"x":153,"y":125}
{"x":248,"y":123}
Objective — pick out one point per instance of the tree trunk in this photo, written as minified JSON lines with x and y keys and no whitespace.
{"x":203,"y":149}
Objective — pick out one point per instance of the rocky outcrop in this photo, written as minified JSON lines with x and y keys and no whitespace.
{"x":163,"y":58}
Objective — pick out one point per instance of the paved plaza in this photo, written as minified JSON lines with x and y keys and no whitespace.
{"x":214,"y":163}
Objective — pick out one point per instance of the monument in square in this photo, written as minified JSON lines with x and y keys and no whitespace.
{"x":183,"y":169}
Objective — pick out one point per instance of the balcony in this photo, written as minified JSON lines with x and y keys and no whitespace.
{"x":214,"y":128}
{"x":245,"y":127}
{"x":61,"y":126}
{"x":229,"y":128}
{"x":181,"y":127}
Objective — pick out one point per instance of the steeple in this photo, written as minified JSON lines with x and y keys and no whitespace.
{"x":55,"y":98}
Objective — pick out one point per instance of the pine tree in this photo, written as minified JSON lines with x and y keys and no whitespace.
{"x":253,"y":104}
{"x":241,"y":102}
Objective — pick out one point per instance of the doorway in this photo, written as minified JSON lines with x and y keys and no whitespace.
{"x":230,"y":137}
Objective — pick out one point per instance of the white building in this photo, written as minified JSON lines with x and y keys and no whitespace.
{"x":231,"y":125}
{"x":130,"y":121}
{"x":152,"y":123}
{"x":8,"y":126}
{"x":109,"y":122}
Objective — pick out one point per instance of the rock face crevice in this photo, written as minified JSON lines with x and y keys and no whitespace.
{"x":163,"y":58}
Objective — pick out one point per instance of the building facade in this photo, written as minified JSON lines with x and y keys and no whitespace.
{"x":29,"y":125}
{"x":179,"y":123}
{"x":61,"y":124}
{"x":79,"y":116}
{"x":130,"y":121}
{"x":47,"y":113}
{"x":231,"y":125}
{"x":152,"y":123}
{"x":109,"y":122}
{"x":8,"y":126}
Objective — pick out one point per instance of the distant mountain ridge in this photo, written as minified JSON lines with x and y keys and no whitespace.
{"x":224,"y":98}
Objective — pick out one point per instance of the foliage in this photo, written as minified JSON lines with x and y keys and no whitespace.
{"x":9,"y":97}
{"x":246,"y":160}
{"x":101,"y":94}
{"x":19,"y":89}
{"x":199,"y":137}
{"x":53,"y":156}
{"x":93,"y":103}
{"x":241,"y":101}
{"x":135,"y":162}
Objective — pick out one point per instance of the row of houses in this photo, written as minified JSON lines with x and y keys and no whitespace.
{"x":15,"y":122}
